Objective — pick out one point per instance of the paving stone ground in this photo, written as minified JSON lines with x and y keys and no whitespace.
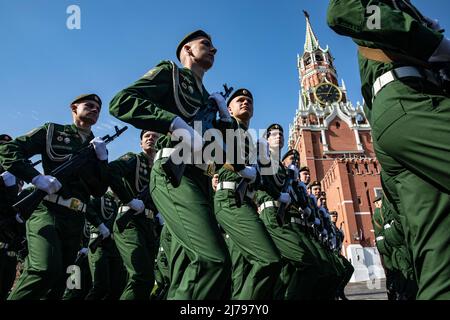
{"x":366,"y":290}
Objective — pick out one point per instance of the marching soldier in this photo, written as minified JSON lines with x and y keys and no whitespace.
{"x":297,"y":276}
{"x":166,"y":99}
{"x":247,"y":234}
{"x":54,"y":229}
{"x":130,"y":175}
{"x":11,"y":231}
{"x":408,"y":104}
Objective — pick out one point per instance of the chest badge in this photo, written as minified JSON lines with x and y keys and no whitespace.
{"x":66,"y":140}
{"x":59,"y":139}
{"x":191,"y":90}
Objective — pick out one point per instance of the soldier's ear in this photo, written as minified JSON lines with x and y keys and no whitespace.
{"x":73,"y":107}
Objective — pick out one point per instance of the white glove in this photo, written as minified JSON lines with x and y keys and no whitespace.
{"x":434,"y":24}
{"x":48,"y":184}
{"x":100,"y":148}
{"x":249,"y":173}
{"x":104,"y":230}
{"x":295,"y":169}
{"x":137,"y":205}
{"x":442,"y":53}
{"x":8,"y":179}
{"x":19,"y":218}
{"x":83,"y":251}
{"x":180,"y":128}
{"x":307,"y":212}
{"x":222,"y":105}
{"x":284,"y":198}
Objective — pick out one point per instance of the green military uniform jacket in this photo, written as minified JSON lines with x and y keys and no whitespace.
{"x":129,"y":175}
{"x":154,"y":100}
{"x":55,"y":143}
{"x":101,"y":210}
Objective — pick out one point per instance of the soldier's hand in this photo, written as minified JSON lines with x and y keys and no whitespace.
{"x":8,"y":179}
{"x":137,"y":205}
{"x":222,"y":106}
{"x":104,"y":231}
{"x":83,"y":251}
{"x":19,"y":218}
{"x":284,"y":198}
{"x":180,"y":129}
{"x":100,"y":148}
{"x":48,"y":184}
{"x":248,"y":173}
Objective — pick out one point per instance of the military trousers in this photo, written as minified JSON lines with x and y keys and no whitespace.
{"x":410,"y":123}
{"x":107,"y":271}
{"x":251,"y":238}
{"x":298,"y":275}
{"x":53,"y":235}
{"x":189,"y":216}
{"x":136,"y":245}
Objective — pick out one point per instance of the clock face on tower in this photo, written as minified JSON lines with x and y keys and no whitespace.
{"x":327,"y":92}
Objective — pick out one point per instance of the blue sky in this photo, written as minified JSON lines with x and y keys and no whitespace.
{"x":44,"y":65}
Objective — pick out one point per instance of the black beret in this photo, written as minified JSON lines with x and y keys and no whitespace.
{"x":273,"y":126}
{"x":88,"y":96}
{"x":304,"y":168}
{"x":5,"y":138}
{"x":291,"y":152}
{"x":240,"y":92}
{"x":378,"y":198}
{"x":314,"y":183}
{"x":191,"y":36}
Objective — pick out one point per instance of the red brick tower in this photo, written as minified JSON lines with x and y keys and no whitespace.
{"x":334,"y":140}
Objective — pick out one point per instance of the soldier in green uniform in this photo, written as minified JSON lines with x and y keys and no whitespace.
{"x":106,"y":266}
{"x":297,"y":277}
{"x":11,"y":231}
{"x":54,"y":229}
{"x":165,"y":100}
{"x":409,"y":114}
{"x":247,"y":234}
{"x":130,"y":175}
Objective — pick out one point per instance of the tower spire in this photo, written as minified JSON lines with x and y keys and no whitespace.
{"x":311,"y":41}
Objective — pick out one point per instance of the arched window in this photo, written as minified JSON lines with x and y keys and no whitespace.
{"x":338,"y":124}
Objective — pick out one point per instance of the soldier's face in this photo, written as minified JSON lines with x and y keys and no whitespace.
{"x":378,"y":204}
{"x":316,"y":191}
{"x":276,"y":139}
{"x":241,"y":107}
{"x":333,"y":218}
{"x":305,"y":177}
{"x":86,"y":111}
{"x":202,"y":51}
{"x":148,"y":141}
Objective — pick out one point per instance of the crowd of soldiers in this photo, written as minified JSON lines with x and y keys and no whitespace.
{"x":136,"y":232}
{"x":146,"y":227}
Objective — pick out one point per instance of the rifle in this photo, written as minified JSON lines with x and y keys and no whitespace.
{"x":207,"y":115}
{"x":76,"y":161}
{"x":127,"y":216}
